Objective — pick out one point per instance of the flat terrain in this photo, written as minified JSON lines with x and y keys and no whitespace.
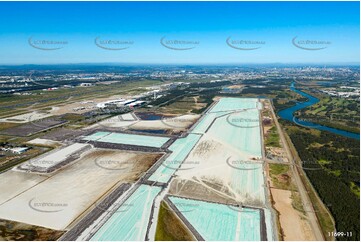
{"x":127,"y":139}
{"x":44,"y":142}
{"x":294,"y":224}
{"x":56,"y":201}
{"x":24,"y":118}
{"x":179,"y":123}
{"x":130,"y":221}
{"x":227,"y":153}
{"x":170,"y":227}
{"x":205,"y":217}
{"x":287,"y":203}
{"x":224,"y":166}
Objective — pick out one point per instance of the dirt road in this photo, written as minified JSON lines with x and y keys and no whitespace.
{"x":303,"y":193}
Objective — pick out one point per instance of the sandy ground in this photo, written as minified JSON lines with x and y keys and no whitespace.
{"x":46,"y":142}
{"x":210,"y":164}
{"x":197,"y":104}
{"x":59,"y":200}
{"x":27,"y":117}
{"x":53,"y":157}
{"x":294,"y":226}
{"x":179,"y":123}
{"x":200,"y":191}
{"x":208,"y":161}
{"x":13,"y":183}
{"x":123,"y":121}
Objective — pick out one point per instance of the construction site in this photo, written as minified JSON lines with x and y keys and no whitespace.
{"x":118,"y":179}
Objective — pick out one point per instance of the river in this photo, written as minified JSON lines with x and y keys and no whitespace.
{"x":288,"y":115}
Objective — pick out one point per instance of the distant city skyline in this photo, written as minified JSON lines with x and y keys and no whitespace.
{"x":179,"y":33}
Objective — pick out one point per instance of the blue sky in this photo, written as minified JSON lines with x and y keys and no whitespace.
{"x":273,"y":24}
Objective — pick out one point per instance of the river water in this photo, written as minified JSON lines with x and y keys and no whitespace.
{"x":288,"y":115}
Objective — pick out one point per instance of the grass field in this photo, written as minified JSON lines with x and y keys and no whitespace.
{"x":184,"y":105}
{"x":335,"y":112}
{"x":280,"y":175}
{"x":170,"y":227}
{"x":273,"y":139}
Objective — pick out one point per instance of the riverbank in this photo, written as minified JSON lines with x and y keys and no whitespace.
{"x":288,"y":114}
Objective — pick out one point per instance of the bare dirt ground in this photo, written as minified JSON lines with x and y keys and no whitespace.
{"x":178,"y":123}
{"x":217,"y":98}
{"x":56,"y":201}
{"x":181,"y":122}
{"x":45,"y":142}
{"x":27,"y":117}
{"x":13,"y":183}
{"x":62,"y":134}
{"x":293,"y":223}
{"x":196,"y":190}
{"x":15,"y":231}
{"x":208,"y":164}
{"x":236,"y":86}
{"x":197,"y":104}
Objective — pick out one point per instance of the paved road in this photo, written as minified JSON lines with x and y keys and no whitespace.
{"x":303,"y":193}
